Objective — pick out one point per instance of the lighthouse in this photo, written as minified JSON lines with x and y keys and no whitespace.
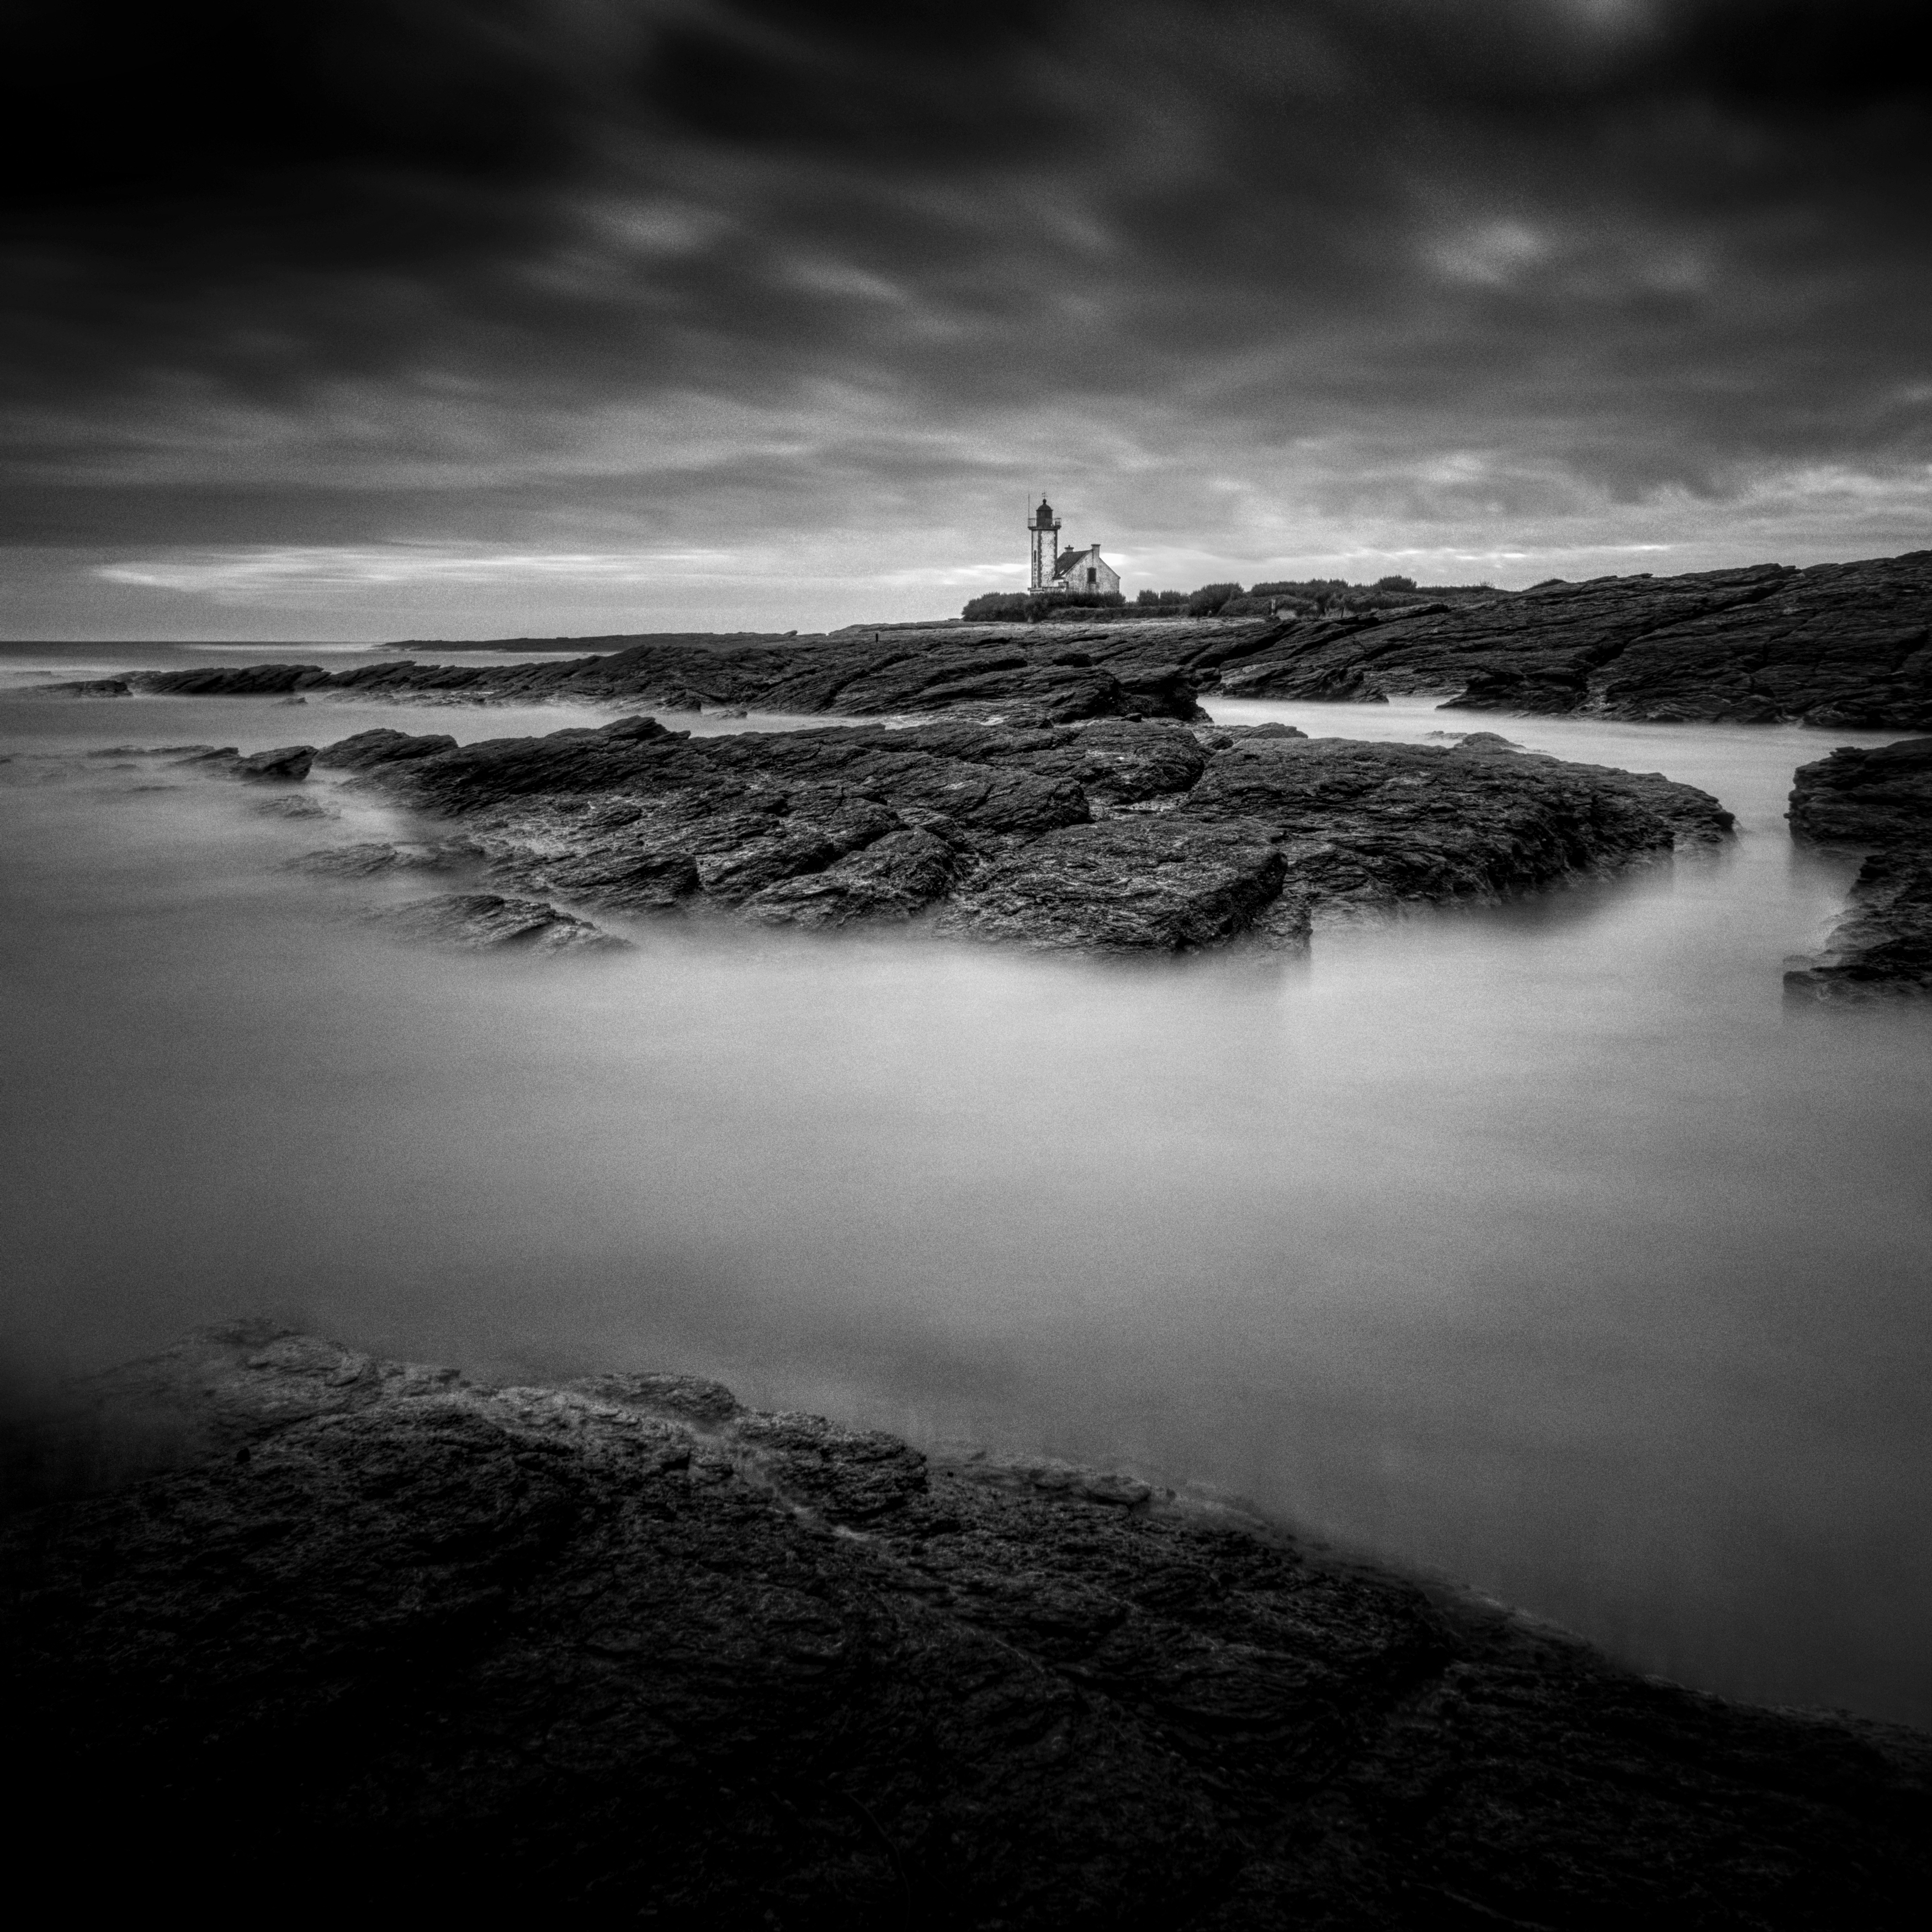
{"x":1084,"y":574}
{"x":1044,"y":527}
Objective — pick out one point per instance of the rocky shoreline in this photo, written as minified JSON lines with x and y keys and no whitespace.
{"x":1111,"y":834}
{"x":1843,"y":645}
{"x":621,"y":1645}
{"x":1880,"y":801}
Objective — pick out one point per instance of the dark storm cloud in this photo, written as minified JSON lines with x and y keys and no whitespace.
{"x":381,"y":270}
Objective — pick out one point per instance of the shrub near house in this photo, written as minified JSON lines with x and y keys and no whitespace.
{"x":1028,"y":607}
{"x":1319,"y":596}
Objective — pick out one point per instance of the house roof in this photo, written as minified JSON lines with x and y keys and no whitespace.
{"x":1069,"y":558}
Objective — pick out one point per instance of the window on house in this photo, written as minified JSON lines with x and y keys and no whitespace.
{"x":1092,"y":575}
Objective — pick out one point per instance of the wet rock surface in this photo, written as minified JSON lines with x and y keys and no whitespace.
{"x":1115,"y":834}
{"x":622,"y":1646}
{"x":1879,"y":798}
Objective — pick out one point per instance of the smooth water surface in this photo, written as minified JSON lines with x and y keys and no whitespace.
{"x":1537,"y":1245}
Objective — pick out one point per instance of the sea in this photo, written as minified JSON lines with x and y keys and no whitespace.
{"x":1540,"y":1248}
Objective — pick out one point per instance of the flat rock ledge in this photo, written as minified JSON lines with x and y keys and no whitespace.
{"x":281,"y":1613}
{"x":1112,"y":835}
{"x":970,"y":672}
{"x":1881,"y":800}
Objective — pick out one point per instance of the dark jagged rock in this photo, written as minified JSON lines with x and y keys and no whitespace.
{"x":489,"y":922}
{"x":1878,"y":798}
{"x":366,"y":750}
{"x":1116,"y":834}
{"x":624,"y":1648}
{"x":1883,"y":947}
{"x":288,"y":764}
{"x":1847,"y":644}
{"x":1858,"y":796}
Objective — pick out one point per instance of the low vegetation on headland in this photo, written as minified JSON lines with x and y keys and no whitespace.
{"x":1320,"y":596}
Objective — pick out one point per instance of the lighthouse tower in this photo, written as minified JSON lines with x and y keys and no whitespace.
{"x":1044,"y":528}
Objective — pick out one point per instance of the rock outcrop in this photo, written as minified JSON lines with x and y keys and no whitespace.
{"x":1840,"y":644}
{"x":1880,"y":799}
{"x":1844,"y":644}
{"x":1037,"y":680}
{"x":1115,"y":834}
{"x":288,"y":764}
{"x":283,"y":1614}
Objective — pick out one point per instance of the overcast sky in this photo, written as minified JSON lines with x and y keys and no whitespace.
{"x":389,"y":318}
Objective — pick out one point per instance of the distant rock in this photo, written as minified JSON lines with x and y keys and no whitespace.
{"x":1879,"y":799}
{"x":489,"y":922}
{"x":1478,"y":741}
{"x":296,"y":805}
{"x":622,"y":1649}
{"x":153,"y":750}
{"x":368,"y":749}
{"x":1842,"y":644}
{"x":1021,"y":680}
{"x":287,"y":765}
{"x":1110,"y":835}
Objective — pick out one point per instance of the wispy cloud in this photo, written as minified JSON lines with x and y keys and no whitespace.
{"x":556,"y":301}
{"x":254,"y":576}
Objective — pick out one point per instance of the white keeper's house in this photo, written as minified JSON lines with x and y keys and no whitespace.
{"x":1065,"y":570}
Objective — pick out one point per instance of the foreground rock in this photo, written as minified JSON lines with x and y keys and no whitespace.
{"x":1114,"y":835}
{"x":622,"y":1647}
{"x":1878,"y":799}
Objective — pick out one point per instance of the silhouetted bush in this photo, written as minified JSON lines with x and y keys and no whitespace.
{"x":1209,"y":598}
{"x":996,"y":607}
{"x":1029,"y":607}
{"x":1080,"y":607}
{"x":1393,"y":583}
{"x":1164,"y":599}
